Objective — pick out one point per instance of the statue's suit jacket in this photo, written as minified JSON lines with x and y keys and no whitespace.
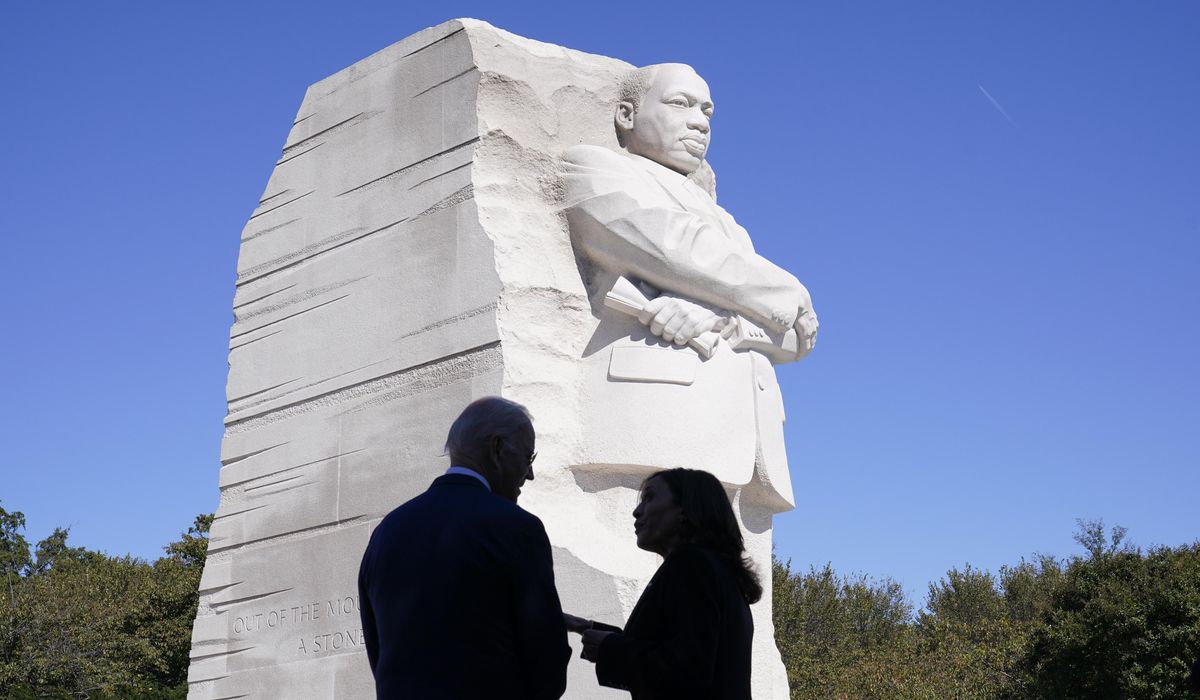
{"x":458,"y":600}
{"x":648,"y":403}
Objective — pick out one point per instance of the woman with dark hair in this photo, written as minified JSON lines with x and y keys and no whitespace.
{"x":689,"y":634}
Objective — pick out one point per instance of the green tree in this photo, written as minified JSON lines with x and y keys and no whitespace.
{"x":192,"y":547}
{"x":54,"y":549}
{"x":14,"y":562}
{"x":14,"y":549}
{"x":1122,"y":623}
{"x":1115,"y":623}
{"x":1091,"y":536}
{"x":844,"y":636}
{"x":855,"y":638}
{"x":968,"y":636}
{"x":175,"y":597}
{"x":1029,"y":587}
{"x":83,"y":624}
{"x":966,"y":597}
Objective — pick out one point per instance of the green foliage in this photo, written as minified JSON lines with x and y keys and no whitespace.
{"x":842,"y":636}
{"x":966,"y":598}
{"x":1122,"y":624}
{"x":1091,"y":536}
{"x":82,"y":624}
{"x":967,"y":633}
{"x":1028,"y":588}
{"x":54,"y":550}
{"x":14,"y":550}
{"x":1116,"y":623}
{"x":192,"y":546}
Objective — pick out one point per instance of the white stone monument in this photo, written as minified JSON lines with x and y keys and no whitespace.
{"x":442,"y":224}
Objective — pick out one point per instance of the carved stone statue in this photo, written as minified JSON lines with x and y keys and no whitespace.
{"x":691,"y":317}
{"x":410,"y":253}
{"x":679,"y":370}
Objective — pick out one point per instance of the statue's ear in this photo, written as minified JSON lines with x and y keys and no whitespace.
{"x":624,"y":115}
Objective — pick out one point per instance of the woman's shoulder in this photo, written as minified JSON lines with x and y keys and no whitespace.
{"x":702,"y":567}
{"x":696,"y":559}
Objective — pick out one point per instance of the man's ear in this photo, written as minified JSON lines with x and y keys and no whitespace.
{"x":624,"y":115}
{"x":494,"y":450}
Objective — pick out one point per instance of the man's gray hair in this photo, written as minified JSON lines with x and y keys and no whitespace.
{"x":482,"y":421}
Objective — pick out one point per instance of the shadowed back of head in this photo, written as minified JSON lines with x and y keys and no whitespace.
{"x":480,"y":424}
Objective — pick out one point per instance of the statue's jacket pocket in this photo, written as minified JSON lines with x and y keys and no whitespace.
{"x":653,"y":364}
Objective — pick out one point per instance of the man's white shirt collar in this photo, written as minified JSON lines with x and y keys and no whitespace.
{"x":470,"y":472}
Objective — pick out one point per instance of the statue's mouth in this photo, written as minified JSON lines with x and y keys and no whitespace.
{"x":695,"y":146}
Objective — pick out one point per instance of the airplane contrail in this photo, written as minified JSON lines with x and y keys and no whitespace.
{"x":997,"y":105}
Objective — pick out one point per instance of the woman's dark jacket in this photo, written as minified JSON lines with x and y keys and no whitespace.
{"x":688,"y":637}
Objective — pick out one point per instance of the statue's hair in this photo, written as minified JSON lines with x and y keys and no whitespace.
{"x":635,"y":83}
{"x":482,"y":421}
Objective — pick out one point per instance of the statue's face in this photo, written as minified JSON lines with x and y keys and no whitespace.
{"x":671,"y":126}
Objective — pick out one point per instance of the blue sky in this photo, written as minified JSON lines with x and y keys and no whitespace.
{"x":995,"y":206}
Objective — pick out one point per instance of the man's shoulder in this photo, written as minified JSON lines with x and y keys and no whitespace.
{"x":502,"y":511}
{"x":464,"y":493}
{"x":463,"y":503}
{"x":589,"y":156}
{"x":445,"y":492}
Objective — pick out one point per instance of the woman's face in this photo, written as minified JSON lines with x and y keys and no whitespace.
{"x":657,"y":520}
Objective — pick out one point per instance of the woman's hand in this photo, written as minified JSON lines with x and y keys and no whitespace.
{"x":592,"y":639}
{"x":578,"y":625}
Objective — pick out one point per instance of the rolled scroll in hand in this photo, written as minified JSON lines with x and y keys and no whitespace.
{"x":626,"y":297}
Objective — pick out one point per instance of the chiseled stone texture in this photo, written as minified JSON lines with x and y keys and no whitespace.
{"x":408,"y":255}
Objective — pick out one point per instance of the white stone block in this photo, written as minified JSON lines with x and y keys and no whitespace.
{"x":410,"y":253}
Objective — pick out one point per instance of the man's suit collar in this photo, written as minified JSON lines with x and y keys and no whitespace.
{"x":460,"y":480}
{"x":467,"y":471}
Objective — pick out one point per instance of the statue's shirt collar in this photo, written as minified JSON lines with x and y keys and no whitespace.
{"x":688,"y":193}
{"x":659,"y":170}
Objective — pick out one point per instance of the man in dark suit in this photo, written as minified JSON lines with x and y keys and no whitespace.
{"x":457,"y":585}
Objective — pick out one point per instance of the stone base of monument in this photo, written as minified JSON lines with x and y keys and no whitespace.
{"x":407,"y":256}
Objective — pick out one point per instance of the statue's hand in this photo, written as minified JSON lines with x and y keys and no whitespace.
{"x":806,"y":330}
{"x":678,"y":320}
